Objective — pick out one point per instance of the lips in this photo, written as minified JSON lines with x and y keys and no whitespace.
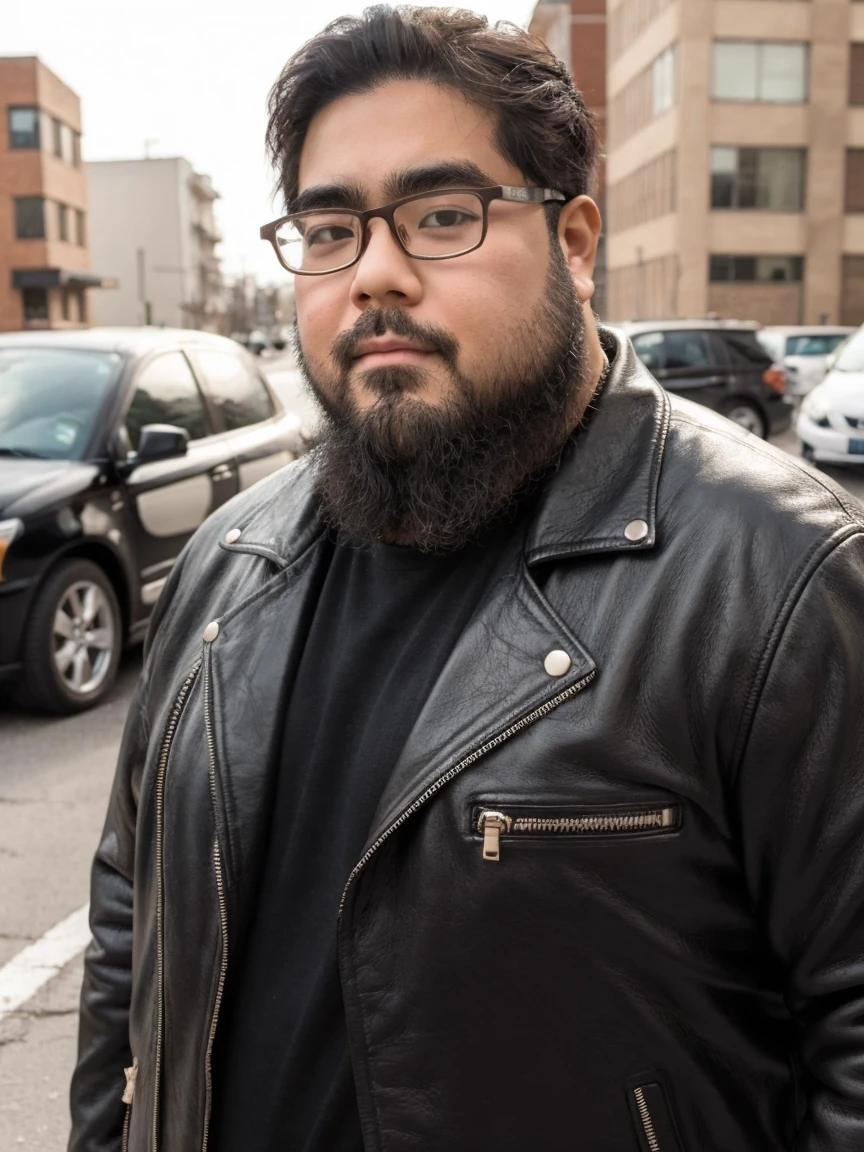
{"x":386,"y":346}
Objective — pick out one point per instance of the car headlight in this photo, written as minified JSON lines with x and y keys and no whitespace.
{"x":9,"y":530}
{"x":817,"y":409}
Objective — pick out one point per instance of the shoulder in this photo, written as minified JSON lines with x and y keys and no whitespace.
{"x":732,"y":481}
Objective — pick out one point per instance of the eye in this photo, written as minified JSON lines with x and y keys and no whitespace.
{"x":328,"y":234}
{"x":447,"y":218}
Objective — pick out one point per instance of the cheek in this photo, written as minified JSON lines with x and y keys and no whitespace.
{"x":318,"y":317}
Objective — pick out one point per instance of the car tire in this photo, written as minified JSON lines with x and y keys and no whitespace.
{"x":72,"y":642}
{"x":746,"y":415}
{"x":808,"y":453}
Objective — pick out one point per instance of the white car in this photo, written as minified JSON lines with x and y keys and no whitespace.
{"x":803,"y":351}
{"x":831,"y":421}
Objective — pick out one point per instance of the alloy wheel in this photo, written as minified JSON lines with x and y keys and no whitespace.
{"x":83,"y":638}
{"x":745,"y":416}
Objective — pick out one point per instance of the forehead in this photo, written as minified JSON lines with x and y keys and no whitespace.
{"x":367,"y":136}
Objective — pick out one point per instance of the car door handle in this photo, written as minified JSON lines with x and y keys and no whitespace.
{"x":222,"y":472}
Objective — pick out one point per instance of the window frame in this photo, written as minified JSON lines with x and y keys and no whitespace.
{"x":755,"y":257}
{"x":759,"y":46}
{"x":737,"y":178}
{"x":10,"y":108}
{"x":16,"y":200}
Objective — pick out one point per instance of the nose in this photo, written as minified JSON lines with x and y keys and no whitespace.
{"x":385,"y":275}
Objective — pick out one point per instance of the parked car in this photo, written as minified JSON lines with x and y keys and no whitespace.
{"x":719,"y":363}
{"x":257,"y":341}
{"x":803,"y":351}
{"x":114,"y":446}
{"x":831,"y":421}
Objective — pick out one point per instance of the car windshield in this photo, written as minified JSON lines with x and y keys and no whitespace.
{"x":850,"y":357}
{"x":815,"y":344}
{"x":50,"y":399}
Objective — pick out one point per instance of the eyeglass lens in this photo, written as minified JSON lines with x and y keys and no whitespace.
{"x":437,"y":225}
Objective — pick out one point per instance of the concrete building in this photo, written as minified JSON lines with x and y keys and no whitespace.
{"x":152,"y":227}
{"x":44,"y":258}
{"x":575,"y":30}
{"x":735,"y":162}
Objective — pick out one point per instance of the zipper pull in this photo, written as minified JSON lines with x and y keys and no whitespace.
{"x":131,"y":1076}
{"x":492,"y":824}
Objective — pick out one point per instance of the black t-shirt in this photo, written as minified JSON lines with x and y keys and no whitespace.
{"x":383,"y":627}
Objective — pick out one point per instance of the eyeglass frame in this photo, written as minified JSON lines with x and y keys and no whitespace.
{"x":510,"y":193}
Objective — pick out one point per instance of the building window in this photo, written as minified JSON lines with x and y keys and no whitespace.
{"x":76,"y":149}
{"x":856,"y":73}
{"x":56,"y":137}
{"x":663,"y":82}
{"x":756,"y":70}
{"x":24,"y":128}
{"x":80,"y":238}
{"x":35,"y":303}
{"x":854,"y":180}
{"x":766,"y":178}
{"x":62,"y":222}
{"x":30,"y":218}
{"x":64,"y":303}
{"x":757,"y":269}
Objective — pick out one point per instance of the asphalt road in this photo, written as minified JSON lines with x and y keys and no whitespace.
{"x":55,"y":776}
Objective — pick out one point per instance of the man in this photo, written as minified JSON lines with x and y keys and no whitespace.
{"x":495,"y":776}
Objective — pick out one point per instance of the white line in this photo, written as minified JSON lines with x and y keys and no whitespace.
{"x":40,"y":961}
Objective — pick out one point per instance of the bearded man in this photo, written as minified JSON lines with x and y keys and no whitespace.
{"x":494,"y":781}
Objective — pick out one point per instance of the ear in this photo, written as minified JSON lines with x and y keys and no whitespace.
{"x":578,"y":234}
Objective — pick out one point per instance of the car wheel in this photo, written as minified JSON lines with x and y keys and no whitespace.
{"x":73,"y":640}
{"x":746,"y":415}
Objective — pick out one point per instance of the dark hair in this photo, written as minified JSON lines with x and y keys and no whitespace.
{"x":543,"y":126}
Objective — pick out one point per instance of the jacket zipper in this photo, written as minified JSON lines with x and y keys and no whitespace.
{"x":495,"y":742}
{"x":647,"y":1122}
{"x":494,"y":824}
{"x":223,"y":919}
{"x":128,"y":1095}
{"x":161,"y":770}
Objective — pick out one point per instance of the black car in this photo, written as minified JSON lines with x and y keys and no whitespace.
{"x":114,"y":446}
{"x":719,"y":363}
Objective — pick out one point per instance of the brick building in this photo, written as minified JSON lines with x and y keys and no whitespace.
{"x":735,"y":169}
{"x":575,"y":30}
{"x":44,"y":260}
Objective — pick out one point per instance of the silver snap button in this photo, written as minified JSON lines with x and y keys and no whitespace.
{"x":636,"y":530}
{"x":233,"y":536}
{"x":557,"y":663}
{"x":211,"y":631}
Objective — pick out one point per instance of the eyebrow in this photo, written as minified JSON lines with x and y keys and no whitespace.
{"x":405,"y":182}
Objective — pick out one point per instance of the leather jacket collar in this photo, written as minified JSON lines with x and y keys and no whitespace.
{"x":607,"y":478}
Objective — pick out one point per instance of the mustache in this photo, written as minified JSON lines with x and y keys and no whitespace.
{"x":380,"y":321}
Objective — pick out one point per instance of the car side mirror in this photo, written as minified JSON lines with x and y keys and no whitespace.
{"x":157,"y":442}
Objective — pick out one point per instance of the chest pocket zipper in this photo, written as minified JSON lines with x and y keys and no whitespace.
{"x":588,"y":823}
{"x":652,"y":1115}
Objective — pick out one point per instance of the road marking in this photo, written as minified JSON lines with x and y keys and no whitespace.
{"x":40,"y":961}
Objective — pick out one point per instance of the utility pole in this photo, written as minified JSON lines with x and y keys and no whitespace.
{"x":146,"y":307}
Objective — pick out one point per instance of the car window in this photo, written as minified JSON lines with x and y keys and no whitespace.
{"x":166,"y":393}
{"x":686,"y":349}
{"x":241,"y":396}
{"x":648,"y":346}
{"x":51,"y":399}
{"x":813,"y":345}
{"x":744,"y":348}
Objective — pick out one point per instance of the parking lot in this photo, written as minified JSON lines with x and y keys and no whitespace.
{"x":55,"y":774}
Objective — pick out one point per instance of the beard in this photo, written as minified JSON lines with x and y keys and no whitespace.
{"x":436,"y":477}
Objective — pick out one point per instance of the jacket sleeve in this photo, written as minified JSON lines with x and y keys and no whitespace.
{"x":103,"y":1037}
{"x":800,"y":791}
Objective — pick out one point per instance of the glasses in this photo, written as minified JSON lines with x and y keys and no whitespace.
{"x":427,"y":226}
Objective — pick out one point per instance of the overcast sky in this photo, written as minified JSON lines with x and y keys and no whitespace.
{"x":192,"y":77}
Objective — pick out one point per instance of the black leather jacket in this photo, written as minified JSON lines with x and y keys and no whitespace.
{"x":668,"y":953}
